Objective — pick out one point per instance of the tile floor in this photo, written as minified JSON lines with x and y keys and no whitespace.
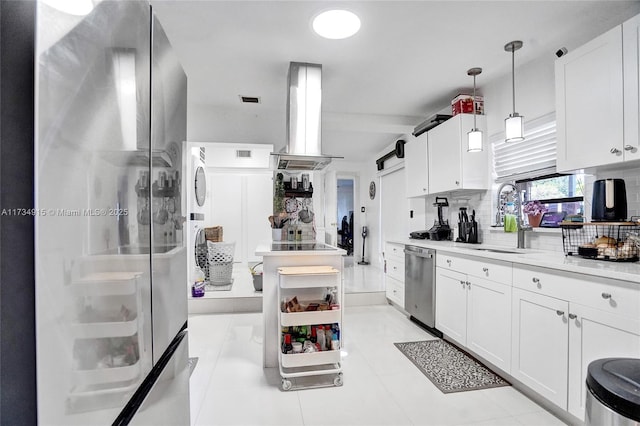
{"x":381,"y":386}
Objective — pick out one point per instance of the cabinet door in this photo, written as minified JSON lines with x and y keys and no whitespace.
{"x":595,"y":334}
{"x":489,"y":321}
{"x":443,"y":151}
{"x":415,"y":163}
{"x":631,"y":55}
{"x":540,"y":344}
{"x":589,"y":104}
{"x":451,"y":304}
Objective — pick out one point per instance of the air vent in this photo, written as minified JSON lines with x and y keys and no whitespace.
{"x":250,"y":99}
{"x":243,"y":153}
{"x":202,"y":154}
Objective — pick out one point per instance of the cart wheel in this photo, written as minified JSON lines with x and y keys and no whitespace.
{"x":337,"y":381}
{"x":286,"y":384}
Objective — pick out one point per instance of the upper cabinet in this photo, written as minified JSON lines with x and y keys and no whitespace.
{"x":450,"y":166}
{"x":597,"y":100}
{"x":415,"y":164}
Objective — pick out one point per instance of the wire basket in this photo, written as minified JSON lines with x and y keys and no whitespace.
{"x":612,"y":241}
{"x":220,"y":262}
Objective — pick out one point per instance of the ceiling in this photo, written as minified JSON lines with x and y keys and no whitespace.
{"x":407,"y":62}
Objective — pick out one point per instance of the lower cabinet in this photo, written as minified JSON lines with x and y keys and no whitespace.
{"x":595,"y":334}
{"x":475,"y":313}
{"x":394,"y":272}
{"x":541,"y":344}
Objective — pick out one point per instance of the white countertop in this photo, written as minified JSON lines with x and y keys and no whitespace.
{"x":297,"y":248}
{"x":626,"y":271}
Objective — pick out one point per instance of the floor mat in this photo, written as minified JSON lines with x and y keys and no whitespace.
{"x":192,"y":364}
{"x":450,"y":369}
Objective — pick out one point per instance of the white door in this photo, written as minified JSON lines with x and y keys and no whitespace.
{"x":540,"y":344}
{"x":415,"y":163}
{"x":394,"y":210}
{"x":226,"y":209}
{"x":451,"y":304}
{"x":489,"y":321}
{"x":595,"y":334}
{"x":589,"y":105}
{"x":331,"y":208}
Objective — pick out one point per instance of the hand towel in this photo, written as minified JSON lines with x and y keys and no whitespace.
{"x":510,"y":224}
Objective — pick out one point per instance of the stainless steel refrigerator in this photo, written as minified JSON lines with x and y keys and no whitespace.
{"x":110,"y":259}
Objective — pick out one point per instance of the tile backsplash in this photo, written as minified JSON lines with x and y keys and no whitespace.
{"x":484,"y":204}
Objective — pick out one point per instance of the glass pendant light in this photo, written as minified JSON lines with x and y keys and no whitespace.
{"x":514,"y":124}
{"x":474,"y":136}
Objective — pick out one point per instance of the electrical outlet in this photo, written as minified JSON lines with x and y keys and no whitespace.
{"x":361,"y":209}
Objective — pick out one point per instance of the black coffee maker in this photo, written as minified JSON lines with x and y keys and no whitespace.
{"x":440,"y":229}
{"x":609,"y":203}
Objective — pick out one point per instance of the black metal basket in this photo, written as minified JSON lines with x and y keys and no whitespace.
{"x":611,"y":241}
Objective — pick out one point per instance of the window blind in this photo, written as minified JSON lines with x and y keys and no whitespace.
{"x":533,"y":157}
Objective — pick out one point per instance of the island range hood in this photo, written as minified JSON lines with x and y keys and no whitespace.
{"x":304,"y":110}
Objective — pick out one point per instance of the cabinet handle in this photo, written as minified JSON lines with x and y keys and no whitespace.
{"x":615,"y":151}
{"x":449,"y":262}
{"x":424,"y":189}
{"x":485,"y":269}
{"x":560,"y":313}
{"x":535,"y":280}
{"x":457,"y":182}
{"x":469,"y":285}
{"x":628,"y":147}
{"x":573,"y":316}
{"x":606,"y":296}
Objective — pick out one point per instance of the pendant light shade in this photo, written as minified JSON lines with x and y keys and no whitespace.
{"x":474,"y":136}
{"x":514,"y":124}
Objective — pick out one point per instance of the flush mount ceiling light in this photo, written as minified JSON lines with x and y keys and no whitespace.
{"x":336,"y":24}
{"x":514,"y":123}
{"x":474,"y":137}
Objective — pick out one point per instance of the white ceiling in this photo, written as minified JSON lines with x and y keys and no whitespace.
{"x":407,"y":62}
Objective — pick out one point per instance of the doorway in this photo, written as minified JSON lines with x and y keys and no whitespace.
{"x":345,"y":200}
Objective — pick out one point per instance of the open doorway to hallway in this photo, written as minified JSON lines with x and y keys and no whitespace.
{"x":346,"y":195}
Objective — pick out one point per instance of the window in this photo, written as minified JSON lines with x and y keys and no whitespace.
{"x":558,"y":193}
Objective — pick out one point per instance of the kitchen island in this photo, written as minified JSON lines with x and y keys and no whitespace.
{"x":287,"y":253}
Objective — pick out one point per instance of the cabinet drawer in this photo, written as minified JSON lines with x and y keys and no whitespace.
{"x":488,"y":269}
{"x":395,"y":291}
{"x":395,"y":268}
{"x":618,"y":297}
{"x":394,"y":250}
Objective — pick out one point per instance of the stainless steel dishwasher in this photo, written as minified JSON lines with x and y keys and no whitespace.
{"x":420,"y":287}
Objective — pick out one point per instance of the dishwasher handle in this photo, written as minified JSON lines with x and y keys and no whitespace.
{"x":419,"y":252}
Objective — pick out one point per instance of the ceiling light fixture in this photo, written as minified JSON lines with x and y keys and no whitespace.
{"x":514,"y":123}
{"x":474,"y":136}
{"x":336,"y":24}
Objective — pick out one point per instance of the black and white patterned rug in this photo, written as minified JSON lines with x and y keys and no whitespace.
{"x":450,"y":369}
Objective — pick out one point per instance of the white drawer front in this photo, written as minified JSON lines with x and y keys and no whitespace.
{"x":619,"y":297}
{"x":395,"y":268}
{"x":393,"y":250}
{"x":447,"y":261}
{"x":395,"y":291}
{"x":487,"y":269}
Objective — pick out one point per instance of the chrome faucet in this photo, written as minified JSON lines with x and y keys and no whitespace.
{"x":518,"y":203}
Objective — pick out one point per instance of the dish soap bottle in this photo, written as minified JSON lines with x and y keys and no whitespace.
{"x":197,"y":289}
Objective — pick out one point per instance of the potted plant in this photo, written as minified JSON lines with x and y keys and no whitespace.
{"x":534,"y":211}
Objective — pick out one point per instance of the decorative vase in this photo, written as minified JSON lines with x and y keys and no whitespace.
{"x":534,"y":220}
{"x":276,"y":234}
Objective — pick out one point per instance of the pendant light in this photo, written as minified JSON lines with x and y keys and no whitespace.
{"x":514,"y":123}
{"x":474,"y":136}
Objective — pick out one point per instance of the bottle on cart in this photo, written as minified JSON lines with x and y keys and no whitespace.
{"x":335,"y":343}
{"x":314,"y":335}
{"x":322,"y":342}
{"x":328,"y":335}
{"x":287,"y":347}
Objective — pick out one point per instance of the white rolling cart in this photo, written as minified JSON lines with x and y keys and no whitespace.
{"x":309,"y":284}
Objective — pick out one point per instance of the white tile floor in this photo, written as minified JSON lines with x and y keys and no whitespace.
{"x":381,"y":386}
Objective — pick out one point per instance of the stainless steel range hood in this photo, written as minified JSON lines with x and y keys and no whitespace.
{"x":304,"y":113}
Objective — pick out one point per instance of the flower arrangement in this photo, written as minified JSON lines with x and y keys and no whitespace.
{"x":534,"y":208}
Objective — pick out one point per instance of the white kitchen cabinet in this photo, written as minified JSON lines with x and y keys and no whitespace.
{"x":474,"y":308}
{"x":631,"y":74}
{"x":451,"y":304}
{"x":597,"y":100}
{"x":450,"y":166}
{"x":415,"y":164}
{"x":394,"y":273}
{"x":541,"y":344}
{"x":595,"y":334}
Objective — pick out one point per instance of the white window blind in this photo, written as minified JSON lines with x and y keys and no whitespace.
{"x":533,"y":157}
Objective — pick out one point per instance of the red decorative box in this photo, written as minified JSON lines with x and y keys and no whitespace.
{"x":463,"y":104}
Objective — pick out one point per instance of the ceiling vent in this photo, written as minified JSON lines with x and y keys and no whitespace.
{"x":243,"y":153}
{"x":250,"y":99}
